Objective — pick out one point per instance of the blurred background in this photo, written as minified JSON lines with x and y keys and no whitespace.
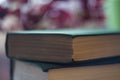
{"x":51,"y":14}
{"x":16,"y":15}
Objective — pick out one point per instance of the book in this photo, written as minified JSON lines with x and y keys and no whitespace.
{"x":28,"y":70}
{"x":63,"y":46}
{"x":46,"y":66}
{"x":101,"y":72}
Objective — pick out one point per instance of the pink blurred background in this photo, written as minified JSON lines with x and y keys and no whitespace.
{"x":46,"y":14}
{"x":51,"y":14}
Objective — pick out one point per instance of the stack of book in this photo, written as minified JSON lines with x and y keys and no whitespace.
{"x":64,"y":54}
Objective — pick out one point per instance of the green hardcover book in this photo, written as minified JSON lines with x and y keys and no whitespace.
{"x":63,"y":46}
{"x":24,"y":70}
{"x":46,"y":66}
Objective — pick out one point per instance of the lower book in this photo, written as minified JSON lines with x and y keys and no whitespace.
{"x":25,"y":70}
{"x":101,"y":72}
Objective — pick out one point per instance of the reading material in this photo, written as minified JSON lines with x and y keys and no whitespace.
{"x":63,"y":45}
